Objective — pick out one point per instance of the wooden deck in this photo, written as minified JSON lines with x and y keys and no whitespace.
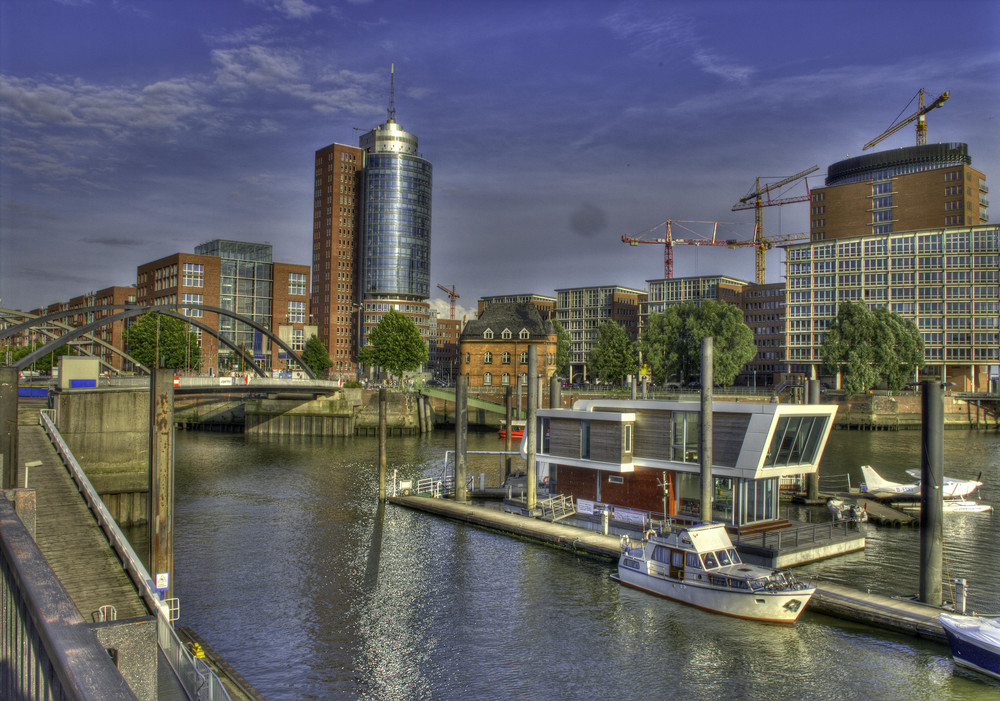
{"x":69,"y":537}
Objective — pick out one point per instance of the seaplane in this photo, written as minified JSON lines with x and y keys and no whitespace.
{"x":951,"y":489}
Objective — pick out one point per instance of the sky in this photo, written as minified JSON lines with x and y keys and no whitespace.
{"x":134,"y":129}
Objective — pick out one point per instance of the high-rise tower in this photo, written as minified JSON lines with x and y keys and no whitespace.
{"x":371,"y":237}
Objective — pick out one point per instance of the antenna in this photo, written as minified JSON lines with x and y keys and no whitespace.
{"x":392,"y":93}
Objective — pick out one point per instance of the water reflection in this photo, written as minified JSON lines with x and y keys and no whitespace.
{"x":287,"y":566}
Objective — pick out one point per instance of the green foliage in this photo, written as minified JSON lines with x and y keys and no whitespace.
{"x":671,"y":342}
{"x":562,"y":350}
{"x":316,"y":356}
{"x":177,"y":344}
{"x":869,"y":347}
{"x":231,"y":360}
{"x":395,"y":345}
{"x":614,"y":355}
{"x":43,"y":364}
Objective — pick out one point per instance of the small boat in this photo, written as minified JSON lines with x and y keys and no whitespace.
{"x":974,"y":641}
{"x":844,"y":511}
{"x":516,"y":429}
{"x":699,"y":566}
{"x":951,"y":488}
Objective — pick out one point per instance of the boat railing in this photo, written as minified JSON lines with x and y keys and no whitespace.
{"x":795,"y":537}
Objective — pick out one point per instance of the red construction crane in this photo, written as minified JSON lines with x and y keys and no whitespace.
{"x":918,"y":115}
{"x":452,"y":295}
{"x":669,"y":241}
{"x":757,"y":195}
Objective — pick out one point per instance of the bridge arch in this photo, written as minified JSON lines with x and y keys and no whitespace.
{"x":132,"y":310}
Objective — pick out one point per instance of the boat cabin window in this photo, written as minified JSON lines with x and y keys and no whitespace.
{"x":710,"y":562}
{"x":734,"y":557}
{"x":678,"y":558}
{"x":661,"y":554}
{"x":692,"y":560}
{"x":724,"y":560}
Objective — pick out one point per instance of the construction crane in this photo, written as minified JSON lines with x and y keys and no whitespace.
{"x":918,"y":115}
{"x":452,"y":295}
{"x":668,"y":241}
{"x":760,"y":242}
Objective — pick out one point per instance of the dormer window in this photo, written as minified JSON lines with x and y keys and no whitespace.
{"x":488,"y":334}
{"x":506,"y":334}
{"x":524,"y":334}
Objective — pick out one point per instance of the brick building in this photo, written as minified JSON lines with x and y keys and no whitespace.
{"x":494,"y":347}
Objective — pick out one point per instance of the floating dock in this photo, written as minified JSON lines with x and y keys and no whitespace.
{"x":832,"y":599}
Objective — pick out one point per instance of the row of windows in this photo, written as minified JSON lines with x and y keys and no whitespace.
{"x":506,"y":334}
{"x":504,"y":379}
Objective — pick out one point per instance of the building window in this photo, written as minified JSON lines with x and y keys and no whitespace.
{"x":524,"y":334}
{"x":194,"y":275}
{"x":296,"y":283}
{"x":488,"y":379}
{"x":298,"y":340}
{"x":487,"y":358}
{"x":468,"y":359}
{"x":524,"y":358}
{"x":488,"y":334}
{"x":505,"y":358}
{"x":505,"y":379}
{"x":296,"y":312}
{"x":191,"y":299}
{"x":506,"y":334}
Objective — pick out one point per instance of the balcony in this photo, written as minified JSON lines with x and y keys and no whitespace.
{"x":982,"y":187}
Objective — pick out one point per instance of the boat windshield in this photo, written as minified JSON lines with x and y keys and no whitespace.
{"x":710,"y":562}
{"x":724,"y":558}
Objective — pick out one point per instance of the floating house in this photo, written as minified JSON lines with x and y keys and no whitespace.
{"x":641,"y":457}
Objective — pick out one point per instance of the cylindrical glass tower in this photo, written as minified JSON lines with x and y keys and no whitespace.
{"x":396,"y":216}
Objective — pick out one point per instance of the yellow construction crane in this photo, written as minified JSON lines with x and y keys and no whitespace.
{"x":918,"y":115}
{"x":760,"y":242}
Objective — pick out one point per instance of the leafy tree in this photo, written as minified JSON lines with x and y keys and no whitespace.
{"x":43,"y":364}
{"x":562,"y":350}
{"x":395,"y":345}
{"x":177,"y":344}
{"x":671,"y":341}
{"x":231,"y":360}
{"x":316,"y":356}
{"x":614,"y":355}
{"x":869,"y":347}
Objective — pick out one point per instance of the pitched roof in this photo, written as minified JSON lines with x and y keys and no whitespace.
{"x":514,"y":317}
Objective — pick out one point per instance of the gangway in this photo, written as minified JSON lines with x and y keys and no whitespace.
{"x":557,"y":507}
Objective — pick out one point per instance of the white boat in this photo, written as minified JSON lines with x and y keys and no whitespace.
{"x":699,"y":566}
{"x":951,"y":489}
{"x":974,"y":641}
{"x":845,"y":511}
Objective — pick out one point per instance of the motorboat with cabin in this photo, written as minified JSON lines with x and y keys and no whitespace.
{"x":698,"y":565}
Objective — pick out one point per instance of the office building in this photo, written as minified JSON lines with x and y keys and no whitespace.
{"x":945,"y":280}
{"x":546,"y":305}
{"x":918,"y":187}
{"x":371,"y":238}
{"x":582,"y":310}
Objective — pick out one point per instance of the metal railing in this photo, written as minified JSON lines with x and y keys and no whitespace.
{"x":795,"y":537}
{"x":49,"y":652}
{"x":556,"y":507}
{"x":199,"y":681}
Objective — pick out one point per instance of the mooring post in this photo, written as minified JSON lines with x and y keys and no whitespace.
{"x":420,"y":413}
{"x":635,"y":387}
{"x":161,"y":481}
{"x":508,"y":398}
{"x":931,"y":497}
{"x":645,"y":387}
{"x":461,"y":434}
{"x":555,"y":393}
{"x":529,"y":427}
{"x":705,"y":432}
{"x":8,"y":427}
{"x":812,"y":482}
{"x":383,"y":430}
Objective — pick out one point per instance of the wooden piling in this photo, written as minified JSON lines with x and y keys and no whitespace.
{"x":530,"y":428}
{"x":931,"y":496}
{"x":705,"y":434}
{"x":461,"y":435}
{"x":161,"y":479}
{"x":8,"y":428}
{"x":383,"y":423}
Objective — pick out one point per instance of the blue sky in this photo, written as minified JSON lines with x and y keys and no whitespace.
{"x":130,"y":130}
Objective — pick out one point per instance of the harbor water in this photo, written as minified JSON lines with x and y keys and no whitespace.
{"x":286,"y":565}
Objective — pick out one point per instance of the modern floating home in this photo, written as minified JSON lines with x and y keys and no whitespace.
{"x":641,"y":457}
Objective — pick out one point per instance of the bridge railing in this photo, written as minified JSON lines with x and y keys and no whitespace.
{"x":49,"y":651}
{"x":198,"y":679}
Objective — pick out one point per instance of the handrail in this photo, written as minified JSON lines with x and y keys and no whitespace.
{"x":191,"y":672}
{"x":45,"y":641}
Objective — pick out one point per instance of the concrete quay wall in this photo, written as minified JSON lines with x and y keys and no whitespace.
{"x":108,"y":432}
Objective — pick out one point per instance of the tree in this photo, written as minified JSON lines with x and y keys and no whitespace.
{"x":395,"y":345}
{"x":172,"y":338}
{"x":316,"y":356}
{"x":869,"y":347}
{"x":671,"y":341}
{"x":562,"y":350}
{"x":614,"y":355}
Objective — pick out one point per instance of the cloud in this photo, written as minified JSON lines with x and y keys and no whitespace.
{"x":711,"y":63}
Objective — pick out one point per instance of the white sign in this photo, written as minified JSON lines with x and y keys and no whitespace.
{"x":162,"y":580}
{"x":630,"y":515}
{"x":223,"y":381}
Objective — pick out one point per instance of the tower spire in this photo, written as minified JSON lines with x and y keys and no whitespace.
{"x":392,"y":93}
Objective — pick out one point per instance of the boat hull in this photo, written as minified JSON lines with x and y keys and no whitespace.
{"x":777,"y":607}
{"x":974,"y":646}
